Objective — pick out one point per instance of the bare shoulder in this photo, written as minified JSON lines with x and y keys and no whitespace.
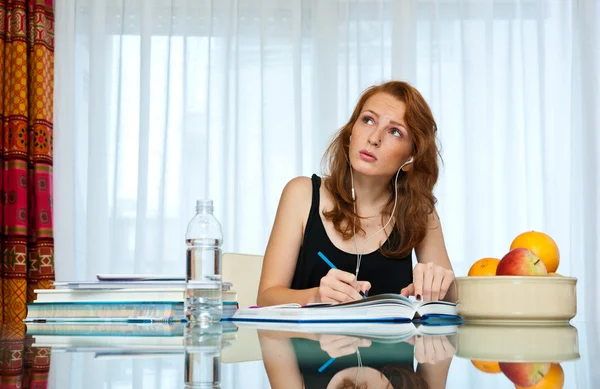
{"x":300,"y":186}
{"x":327,"y":199}
{"x":297,"y":197}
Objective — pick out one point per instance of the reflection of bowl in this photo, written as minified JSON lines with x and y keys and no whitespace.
{"x":516,"y":298}
{"x":529,"y":343}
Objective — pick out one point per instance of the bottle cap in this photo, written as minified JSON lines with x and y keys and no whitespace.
{"x":204,"y":205}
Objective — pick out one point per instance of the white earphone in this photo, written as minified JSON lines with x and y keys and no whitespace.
{"x":359,"y":256}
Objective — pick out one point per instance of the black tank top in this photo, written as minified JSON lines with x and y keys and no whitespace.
{"x":386,"y":275}
{"x":311,"y":358}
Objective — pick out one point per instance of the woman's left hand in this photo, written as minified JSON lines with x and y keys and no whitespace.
{"x":430,"y":282}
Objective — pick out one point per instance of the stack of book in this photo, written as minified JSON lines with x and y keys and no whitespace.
{"x":139,"y":298}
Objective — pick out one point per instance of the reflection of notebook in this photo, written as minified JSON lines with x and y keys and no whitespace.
{"x":378,"y":332}
{"x":383,"y":307}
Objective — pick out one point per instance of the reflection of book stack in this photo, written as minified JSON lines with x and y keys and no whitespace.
{"x":117,"y":300}
{"x":147,"y":339}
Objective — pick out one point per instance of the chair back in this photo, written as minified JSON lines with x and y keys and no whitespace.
{"x":243,"y":270}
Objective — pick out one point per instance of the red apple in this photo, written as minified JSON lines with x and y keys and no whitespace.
{"x":524,"y":374}
{"x":521,"y":262}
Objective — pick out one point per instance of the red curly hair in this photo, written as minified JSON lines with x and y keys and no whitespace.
{"x":416,"y":201}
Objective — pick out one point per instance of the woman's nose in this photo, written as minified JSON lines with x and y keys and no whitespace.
{"x":375,"y":138}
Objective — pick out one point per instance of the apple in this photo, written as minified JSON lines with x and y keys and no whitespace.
{"x":521,"y":262}
{"x":554,"y":379}
{"x":524,"y":374}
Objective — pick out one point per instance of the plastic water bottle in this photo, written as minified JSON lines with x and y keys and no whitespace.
{"x":203,"y":295}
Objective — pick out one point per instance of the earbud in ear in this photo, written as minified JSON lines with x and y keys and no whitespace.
{"x":411,"y":159}
{"x":350,"y":137}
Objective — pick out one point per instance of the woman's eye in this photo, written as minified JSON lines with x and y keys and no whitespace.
{"x":395,"y":132}
{"x":367,"y":120}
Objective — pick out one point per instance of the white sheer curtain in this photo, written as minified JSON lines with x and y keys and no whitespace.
{"x":160,"y":102}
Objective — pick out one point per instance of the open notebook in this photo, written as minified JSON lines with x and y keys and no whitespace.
{"x":383,"y":307}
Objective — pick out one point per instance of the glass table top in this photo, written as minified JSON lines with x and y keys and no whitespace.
{"x":269,"y":355}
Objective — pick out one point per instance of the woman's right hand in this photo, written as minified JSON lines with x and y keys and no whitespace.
{"x":339,"y":287}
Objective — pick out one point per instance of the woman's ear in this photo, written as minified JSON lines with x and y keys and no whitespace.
{"x":407,"y":165}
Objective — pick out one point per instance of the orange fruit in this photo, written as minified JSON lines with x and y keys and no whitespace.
{"x":484,"y":267}
{"x":540,"y":244}
{"x":487,"y":366}
{"x":554,"y":379}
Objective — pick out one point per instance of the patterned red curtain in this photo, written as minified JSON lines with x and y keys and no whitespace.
{"x":26,"y":109}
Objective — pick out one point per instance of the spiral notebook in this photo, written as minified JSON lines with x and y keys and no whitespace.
{"x":383,"y":307}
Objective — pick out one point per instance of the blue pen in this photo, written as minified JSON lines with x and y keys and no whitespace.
{"x":329,"y":362}
{"x":331,"y":265}
{"x":327,"y":261}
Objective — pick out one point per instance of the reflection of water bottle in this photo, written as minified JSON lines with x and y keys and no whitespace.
{"x":202,"y":368}
{"x":203,"y":295}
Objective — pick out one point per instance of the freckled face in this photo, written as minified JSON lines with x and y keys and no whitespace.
{"x":381,"y":141}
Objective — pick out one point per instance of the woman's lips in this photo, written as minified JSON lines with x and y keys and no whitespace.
{"x":366,"y":156}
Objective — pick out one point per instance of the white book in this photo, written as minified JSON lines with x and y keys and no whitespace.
{"x":126,"y":284}
{"x":383,"y":307}
{"x":108,"y":295}
{"x":119,"y":295}
{"x":118,"y":284}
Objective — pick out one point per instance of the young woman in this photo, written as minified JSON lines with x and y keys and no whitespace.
{"x":367,"y":215}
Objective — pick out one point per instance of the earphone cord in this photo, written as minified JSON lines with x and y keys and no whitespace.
{"x":358,"y":255}
{"x":357,"y":370}
{"x":360,"y":365}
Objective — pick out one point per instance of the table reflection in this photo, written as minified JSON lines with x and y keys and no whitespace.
{"x":21,"y":364}
{"x":297,"y":359}
{"x":520,"y":355}
{"x":277,"y":355}
{"x":202,"y":359}
{"x":527,"y":355}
